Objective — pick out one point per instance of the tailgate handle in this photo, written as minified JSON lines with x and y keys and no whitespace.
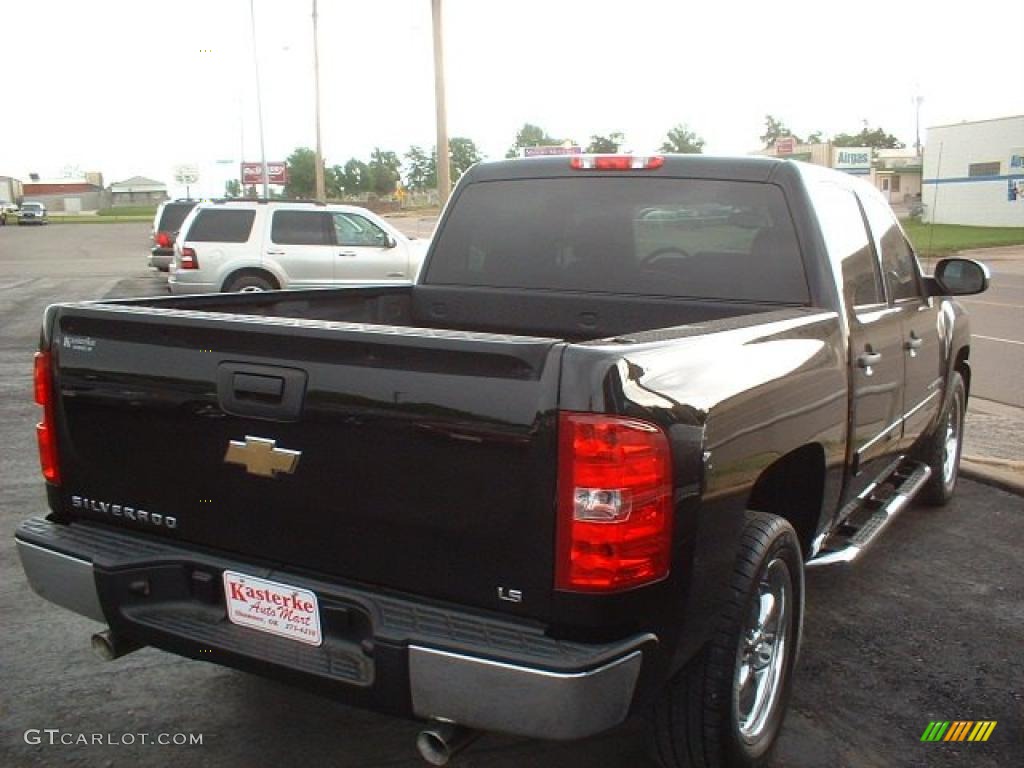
{"x":263,"y":391}
{"x":266,"y":388}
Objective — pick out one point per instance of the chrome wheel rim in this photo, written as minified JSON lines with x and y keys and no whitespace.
{"x":951,"y":445}
{"x":251,"y":289}
{"x":762,"y":653}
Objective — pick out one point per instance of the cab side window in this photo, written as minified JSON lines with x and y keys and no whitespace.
{"x":849,"y":247}
{"x":353,"y":230}
{"x":898,"y":263}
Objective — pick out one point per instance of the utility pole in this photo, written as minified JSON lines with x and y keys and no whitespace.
{"x":259,"y":103}
{"x":321,"y":192}
{"x":444,"y":178}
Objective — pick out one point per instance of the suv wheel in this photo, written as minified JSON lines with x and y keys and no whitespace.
{"x":725,"y":708}
{"x":249,"y":284}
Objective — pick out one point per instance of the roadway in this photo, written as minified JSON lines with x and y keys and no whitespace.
{"x":997,"y":326}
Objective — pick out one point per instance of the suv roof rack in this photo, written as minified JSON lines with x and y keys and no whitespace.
{"x":264,"y":200}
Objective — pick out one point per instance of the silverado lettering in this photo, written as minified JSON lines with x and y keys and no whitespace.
{"x":647,"y":391}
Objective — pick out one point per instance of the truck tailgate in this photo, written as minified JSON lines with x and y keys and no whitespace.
{"x":417,"y":460}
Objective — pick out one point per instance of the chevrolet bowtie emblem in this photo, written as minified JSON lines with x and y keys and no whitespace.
{"x":262,"y":457}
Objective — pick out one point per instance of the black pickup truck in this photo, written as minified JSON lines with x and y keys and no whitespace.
{"x":575,"y":472}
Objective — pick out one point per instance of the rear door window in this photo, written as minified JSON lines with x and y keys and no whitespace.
{"x":898,"y":263}
{"x":221,"y":225}
{"x":650,"y":236}
{"x":849,"y":247}
{"x":300,"y":228}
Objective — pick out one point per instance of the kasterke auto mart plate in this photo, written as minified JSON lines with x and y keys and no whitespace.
{"x":271,"y":607}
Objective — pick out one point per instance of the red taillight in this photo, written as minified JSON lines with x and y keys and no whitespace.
{"x":188,"y":260}
{"x":45,"y":430}
{"x":163,"y":240}
{"x":616,"y":162}
{"x":614,"y":503}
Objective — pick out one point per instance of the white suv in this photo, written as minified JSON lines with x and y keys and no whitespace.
{"x":255,"y":245}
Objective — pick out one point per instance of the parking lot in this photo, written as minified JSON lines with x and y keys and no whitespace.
{"x":926,"y":627}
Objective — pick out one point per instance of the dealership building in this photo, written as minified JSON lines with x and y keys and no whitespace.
{"x":974,"y":173}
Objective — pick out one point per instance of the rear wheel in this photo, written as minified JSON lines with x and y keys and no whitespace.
{"x":249,"y":284}
{"x":725,"y":709}
{"x":942,"y":450}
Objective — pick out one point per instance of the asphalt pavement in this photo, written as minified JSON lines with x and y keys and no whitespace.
{"x":926,"y":627}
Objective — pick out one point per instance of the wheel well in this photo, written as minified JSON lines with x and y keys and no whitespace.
{"x":254,"y":272}
{"x":793,"y":488}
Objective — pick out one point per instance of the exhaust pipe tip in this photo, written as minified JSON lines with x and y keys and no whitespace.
{"x":108,"y":646}
{"x":442,"y":741}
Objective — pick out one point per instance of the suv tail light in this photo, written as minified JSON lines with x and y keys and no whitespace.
{"x":614,"y":503}
{"x":163,"y":240}
{"x":188,"y":260}
{"x":45,"y":430}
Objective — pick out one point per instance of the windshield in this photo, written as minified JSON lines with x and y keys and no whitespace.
{"x":667,"y":237}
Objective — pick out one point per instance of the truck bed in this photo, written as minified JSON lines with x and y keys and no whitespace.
{"x":563,"y":315}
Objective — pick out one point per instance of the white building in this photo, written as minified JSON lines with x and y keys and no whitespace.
{"x":974,"y":173}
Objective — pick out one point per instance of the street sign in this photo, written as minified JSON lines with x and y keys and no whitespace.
{"x":252,"y":173}
{"x":186,"y":173}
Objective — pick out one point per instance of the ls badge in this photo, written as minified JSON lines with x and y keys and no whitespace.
{"x":262,"y":457}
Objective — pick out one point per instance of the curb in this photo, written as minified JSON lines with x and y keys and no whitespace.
{"x":994,"y":475}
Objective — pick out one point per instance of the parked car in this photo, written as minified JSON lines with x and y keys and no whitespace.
{"x":249,"y":245}
{"x":6,"y":206}
{"x":575,"y":471}
{"x":32,"y":212}
{"x":166,"y":223}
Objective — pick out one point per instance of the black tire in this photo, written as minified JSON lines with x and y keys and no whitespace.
{"x":942,"y":449}
{"x":698,"y":720}
{"x":248,"y":282}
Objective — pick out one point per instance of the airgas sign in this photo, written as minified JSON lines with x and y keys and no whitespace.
{"x":855,"y":160}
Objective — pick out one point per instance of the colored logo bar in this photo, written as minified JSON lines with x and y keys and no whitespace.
{"x":959,"y":730}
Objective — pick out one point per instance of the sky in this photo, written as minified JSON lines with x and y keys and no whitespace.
{"x":138,"y":87}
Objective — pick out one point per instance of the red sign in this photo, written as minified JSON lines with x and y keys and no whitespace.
{"x":252,"y":173}
{"x":785,"y":145}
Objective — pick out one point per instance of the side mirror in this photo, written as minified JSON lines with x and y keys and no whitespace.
{"x":959,"y":277}
{"x":390,"y":242}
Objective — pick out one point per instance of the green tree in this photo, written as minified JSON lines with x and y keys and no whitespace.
{"x":355,"y":177}
{"x":816,"y":138}
{"x":774,"y":130}
{"x":419,"y":168}
{"x":606,"y":144}
{"x":233,"y":188}
{"x":301,"y":173}
{"x":462,"y":153}
{"x":681,"y":140}
{"x":531,"y":136}
{"x":384,"y":171}
{"x":875,"y":138}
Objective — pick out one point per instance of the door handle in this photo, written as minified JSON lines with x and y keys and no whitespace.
{"x":867,"y":360}
{"x":913,"y":344}
{"x":347,"y":253}
{"x":396,"y":274}
{"x":275,"y":253}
